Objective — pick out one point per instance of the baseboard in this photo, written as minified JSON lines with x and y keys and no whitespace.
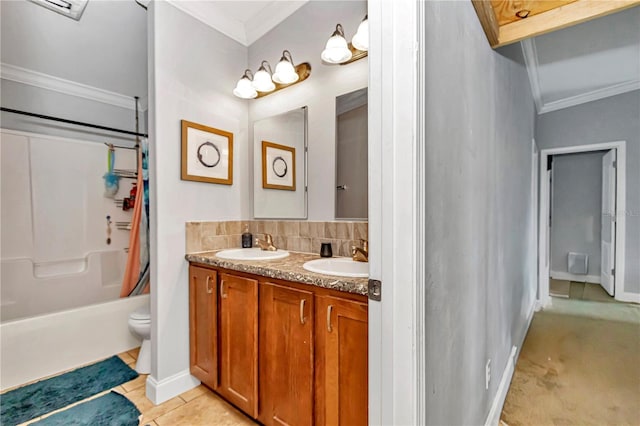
{"x":493,"y":418}
{"x":561,"y":275}
{"x":165,"y":389}
{"x":628,"y":297}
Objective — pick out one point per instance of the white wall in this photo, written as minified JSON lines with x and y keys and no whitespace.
{"x":106,"y":50}
{"x":193,"y":72}
{"x":576,"y":218}
{"x":305,"y":34}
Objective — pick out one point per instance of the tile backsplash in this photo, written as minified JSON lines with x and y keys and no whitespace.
{"x":301,"y":236}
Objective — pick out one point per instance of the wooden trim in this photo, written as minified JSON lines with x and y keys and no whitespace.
{"x":303,"y":70}
{"x":184,"y":175}
{"x":556,"y":19}
{"x":488,"y":19}
{"x":292,"y":150}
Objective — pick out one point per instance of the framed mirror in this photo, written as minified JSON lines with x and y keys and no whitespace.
{"x":280,"y":166}
{"x":352,"y":186}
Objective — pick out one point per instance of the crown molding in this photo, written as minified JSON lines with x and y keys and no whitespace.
{"x":68,"y":87}
{"x":269,"y":18}
{"x":245,"y":33}
{"x":531,"y":61}
{"x":232,"y":28}
{"x":594,"y":95}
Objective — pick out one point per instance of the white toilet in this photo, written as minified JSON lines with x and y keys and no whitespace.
{"x":140,"y":325}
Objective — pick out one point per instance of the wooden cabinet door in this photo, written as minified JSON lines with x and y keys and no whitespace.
{"x":286,"y":355}
{"x":341,"y":362}
{"x":203,"y":325}
{"x":239,"y":342}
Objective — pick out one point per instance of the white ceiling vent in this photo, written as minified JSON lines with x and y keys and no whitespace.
{"x":71,"y":8}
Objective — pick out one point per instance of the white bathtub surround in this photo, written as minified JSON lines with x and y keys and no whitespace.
{"x":55,"y":254}
{"x":37,"y":347}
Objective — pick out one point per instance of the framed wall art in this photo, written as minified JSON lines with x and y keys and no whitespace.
{"x":278,"y":166}
{"x":207,"y":154}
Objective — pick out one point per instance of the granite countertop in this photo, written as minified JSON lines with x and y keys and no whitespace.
{"x":288,"y":268}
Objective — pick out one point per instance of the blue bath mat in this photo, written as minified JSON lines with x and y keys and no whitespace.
{"x":34,"y":400}
{"x":111,"y":409}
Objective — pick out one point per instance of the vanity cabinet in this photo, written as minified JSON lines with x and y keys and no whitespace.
{"x":286,"y":355}
{"x":238,"y":330}
{"x":341,"y":366}
{"x":203,"y":325}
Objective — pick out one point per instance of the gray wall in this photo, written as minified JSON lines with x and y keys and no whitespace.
{"x":106,"y":49}
{"x":577,"y":209}
{"x":616,"y":118}
{"x":480,"y":253}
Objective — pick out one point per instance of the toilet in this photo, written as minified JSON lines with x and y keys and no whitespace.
{"x":140,"y":325}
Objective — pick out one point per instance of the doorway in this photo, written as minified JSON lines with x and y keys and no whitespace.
{"x":606,"y":255}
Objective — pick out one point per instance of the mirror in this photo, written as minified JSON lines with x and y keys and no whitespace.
{"x":352,"y":155}
{"x":280,"y":166}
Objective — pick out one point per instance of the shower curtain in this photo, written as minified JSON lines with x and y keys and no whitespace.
{"x":135,"y":280}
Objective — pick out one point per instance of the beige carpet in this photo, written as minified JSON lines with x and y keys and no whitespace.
{"x":579,"y":365}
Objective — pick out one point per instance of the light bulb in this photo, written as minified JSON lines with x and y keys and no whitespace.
{"x":244,"y":89}
{"x":336,"y":51}
{"x":285,"y":72}
{"x":361,"y":40}
{"x":262,"y":80}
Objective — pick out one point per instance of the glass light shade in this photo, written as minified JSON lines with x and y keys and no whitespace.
{"x":361,"y":40}
{"x":262,"y":81}
{"x":285,"y":73}
{"x":244,"y":89}
{"x":336,"y":51}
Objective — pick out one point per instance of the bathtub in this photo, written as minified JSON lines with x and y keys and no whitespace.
{"x":43,"y":345}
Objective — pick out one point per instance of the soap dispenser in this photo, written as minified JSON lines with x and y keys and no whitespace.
{"x":247,"y":238}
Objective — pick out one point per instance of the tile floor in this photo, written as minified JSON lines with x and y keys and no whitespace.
{"x":198,"y":406}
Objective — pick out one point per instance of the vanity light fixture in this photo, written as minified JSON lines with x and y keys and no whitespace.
{"x":262,"y":80}
{"x":361,"y":39}
{"x":244,"y":89}
{"x":265,"y":82}
{"x":337,"y":51}
{"x":285,"y":72}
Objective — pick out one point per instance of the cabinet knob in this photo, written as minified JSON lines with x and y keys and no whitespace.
{"x":209,"y":288}
{"x":329,"y":309}
{"x":302,"y":302}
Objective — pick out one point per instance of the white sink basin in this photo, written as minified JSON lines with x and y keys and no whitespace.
{"x":341,"y":267}
{"x":251,"y":254}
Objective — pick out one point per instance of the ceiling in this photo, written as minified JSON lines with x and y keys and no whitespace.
{"x":586,"y":62}
{"x":243,"y":21}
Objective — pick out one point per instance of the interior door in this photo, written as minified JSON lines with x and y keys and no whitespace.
{"x":351,"y":165}
{"x":608,"y":233}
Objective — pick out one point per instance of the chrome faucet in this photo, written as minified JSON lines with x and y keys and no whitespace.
{"x":360,"y":254}
{"x":267,"y":243}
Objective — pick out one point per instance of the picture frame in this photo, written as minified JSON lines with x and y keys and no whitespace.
{"x":207,"y":154}
{"x":278,"y":166}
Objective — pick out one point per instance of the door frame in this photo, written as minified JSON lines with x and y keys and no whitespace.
{"x":397,"y":341}
{"x":544,"y":299}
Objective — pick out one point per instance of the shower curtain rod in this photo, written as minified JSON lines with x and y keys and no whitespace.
{"x":77,"y":123}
